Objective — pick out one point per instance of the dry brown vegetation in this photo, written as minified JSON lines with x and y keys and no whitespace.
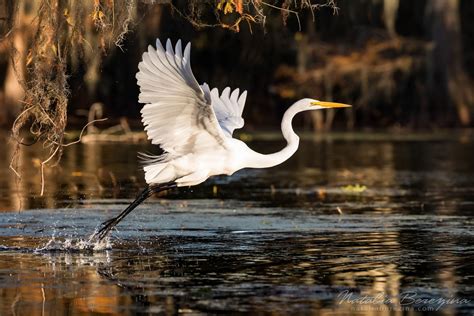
{"x":371,"y":74}
{"x":60,"y":33}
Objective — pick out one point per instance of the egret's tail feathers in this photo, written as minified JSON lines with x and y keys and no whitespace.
{"x":150,"y":159}
{"x":152,"y":171}
{"x":159,"y":173}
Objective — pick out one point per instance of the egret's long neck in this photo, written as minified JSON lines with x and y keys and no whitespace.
{"x":270,"y":160}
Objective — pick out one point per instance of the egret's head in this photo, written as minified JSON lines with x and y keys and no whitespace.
{"x":308,"y":104}
{"x":317,"y":105}
{"x":312,"y":104}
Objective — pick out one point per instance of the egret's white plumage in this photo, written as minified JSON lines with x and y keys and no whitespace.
{"x":194,"y":124}
{"x":228,"y":108}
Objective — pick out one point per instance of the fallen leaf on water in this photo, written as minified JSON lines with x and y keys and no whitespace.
{"x":357,"y":188}
{"x":322,"y":193}
{"x":245,"y":137}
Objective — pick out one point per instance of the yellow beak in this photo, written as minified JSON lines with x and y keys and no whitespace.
{"x":331,"y":104}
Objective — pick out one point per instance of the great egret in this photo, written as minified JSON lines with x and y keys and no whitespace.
{"x":194,"y":124}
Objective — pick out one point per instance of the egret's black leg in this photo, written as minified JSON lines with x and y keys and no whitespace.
{"x":108,"y":225}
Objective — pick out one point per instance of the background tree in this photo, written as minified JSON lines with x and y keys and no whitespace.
{"x":449,"y":83}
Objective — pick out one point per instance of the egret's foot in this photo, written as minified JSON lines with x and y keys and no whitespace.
{"x":105,"y":229}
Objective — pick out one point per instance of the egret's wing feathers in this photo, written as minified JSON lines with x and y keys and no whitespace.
{"x":178,"y":114}
{"x":228,"y":107}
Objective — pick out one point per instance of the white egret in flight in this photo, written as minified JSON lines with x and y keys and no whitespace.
{"x":193,"y":124}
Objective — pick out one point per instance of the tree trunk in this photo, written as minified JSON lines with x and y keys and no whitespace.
{"x":390,"y":10}
{"x":450,"y":85}
{"x":11,"y":90}
{"x":14,"y":92}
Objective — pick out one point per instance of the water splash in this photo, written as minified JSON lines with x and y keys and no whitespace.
{"x":75,"y":244}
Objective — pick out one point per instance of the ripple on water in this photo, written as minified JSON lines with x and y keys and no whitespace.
{"x":286,"y":241}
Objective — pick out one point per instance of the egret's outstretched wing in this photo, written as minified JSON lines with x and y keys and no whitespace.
{"x":228,"y":107}
{"x":177,"y":115}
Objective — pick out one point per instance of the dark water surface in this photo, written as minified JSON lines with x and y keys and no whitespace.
{"x":353,"y":224}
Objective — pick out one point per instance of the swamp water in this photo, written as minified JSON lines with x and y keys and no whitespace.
{"x":352,"y":224}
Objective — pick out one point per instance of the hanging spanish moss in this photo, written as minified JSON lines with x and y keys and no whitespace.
{"x":64,"y":31}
